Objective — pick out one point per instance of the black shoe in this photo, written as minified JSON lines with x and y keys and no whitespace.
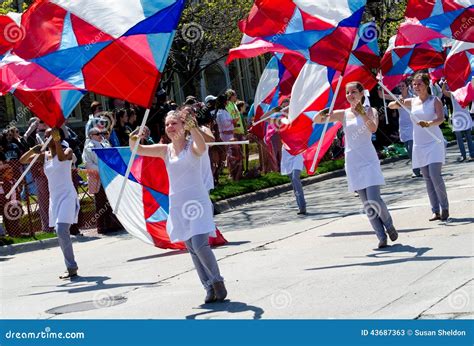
{"x":210,"y":296}
{"x":382,"y":244}
{"x":69,"y":274}
{"x":219,"y":290}
{"x":435,"y":217}
{"x":392,"y":233}
{"x":301,"y":212}
{"x":444,"y":215}
{"x":461,"y":159}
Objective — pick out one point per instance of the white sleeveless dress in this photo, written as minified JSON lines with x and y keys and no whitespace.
{"x":427,"y":148}
{"x":361,"y":161}
{"x":190,"y":209}
{"x":63,"y":201}
{"x":461,"y":118}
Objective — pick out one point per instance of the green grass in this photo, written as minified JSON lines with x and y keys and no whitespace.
{"x":228,"y":188}
{"x":18,"y":240}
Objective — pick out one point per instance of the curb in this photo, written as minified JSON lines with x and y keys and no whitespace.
{"x":10,"y":250}
{"x":233,"y":202}
{"x":219,"y":207}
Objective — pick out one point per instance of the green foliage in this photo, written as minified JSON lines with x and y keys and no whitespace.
{"x":205,"y":26}
{"x":228,"y":188}
{"x":17,"y":240}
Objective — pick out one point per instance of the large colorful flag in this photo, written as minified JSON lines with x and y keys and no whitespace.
{"x":275,"y":85}
{"x":459,"y":65}
{"x":399,"y":62}
{"x":314,"y":90}
{"x":431,"y":19}
{"x":145,"y":202}
{"x":465,"y":95}
{"x":116,"y":48}
{"x":320,"y":31}
{"x":321,"y":82}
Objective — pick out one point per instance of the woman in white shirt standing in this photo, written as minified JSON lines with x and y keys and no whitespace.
{"x":429,"y":150}
{"x":190,"y":209}
{"x":462,"y":126}
{"x":63,"y":201}
{"x":362,"y":164}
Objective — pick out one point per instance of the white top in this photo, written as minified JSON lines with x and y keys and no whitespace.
{"x":290,"y":163}
{"x":428,"y":143}
{"x":461,"y":118}
{"x":225,"y":123}
{"x":63,"y":201}
{"x":405,"y":126}
{"x":190,"y":209}
{"x":362,"y":163}
{"x":206,"y":171}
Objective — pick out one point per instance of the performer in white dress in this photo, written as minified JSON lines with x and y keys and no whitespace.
{"x":190,"y":210}
{"x":462,"y":126}
{"x":429,"y":150}
{"x":63,"y":201}
{"x":292,"y":166}
{"x":362,"y":164}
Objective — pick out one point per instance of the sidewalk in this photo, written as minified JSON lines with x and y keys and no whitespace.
{"x":277,"y":265}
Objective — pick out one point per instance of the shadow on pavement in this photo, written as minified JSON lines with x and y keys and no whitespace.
{"x":228,"y":306}
{"x":351,"y":234}
{"x":395,"y":249}
{"x":73,"y":285}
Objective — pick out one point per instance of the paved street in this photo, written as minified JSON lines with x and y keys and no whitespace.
{"x":277,"y":265}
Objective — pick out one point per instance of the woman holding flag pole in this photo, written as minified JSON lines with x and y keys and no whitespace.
{"x":428,"y":142}
{"x":63,"y":201}
{"x":364,"y":174}
{"x":190,"y":209}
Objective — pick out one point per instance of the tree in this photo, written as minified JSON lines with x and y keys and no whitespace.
{"x":205,"y":26}
{"x":388,"y":14}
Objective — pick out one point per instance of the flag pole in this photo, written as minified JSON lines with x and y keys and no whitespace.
{"x":396,"y":99}
{"x":384,"y":104}
{"x":132,"y":158}
{"x":320,"y":144}
{"x":227,"y":143}
{"x":43,"y":147}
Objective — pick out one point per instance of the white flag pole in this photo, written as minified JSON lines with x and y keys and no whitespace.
{"x":43,"y":147}
{"x":333,"y":103}
{"x":228,"y":143}
{"x":396,"y":99}
{"x":130,"y":163}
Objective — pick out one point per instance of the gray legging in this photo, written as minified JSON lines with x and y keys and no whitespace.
{"x":470,"y":145}
{"x":409,"y":148}
{"x":204,"y":260}
{"x":64,"y":238}
{"x":435,"y":186}
{"x":376,"y":210}
{"x":298,"y":189}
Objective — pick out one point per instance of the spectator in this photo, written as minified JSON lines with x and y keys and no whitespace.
{"x":156,"y":120}
{"x":106,"y":220}
{"x":96,"y":109}
{"x":239,"y":129}
{"x":121,"y":128}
